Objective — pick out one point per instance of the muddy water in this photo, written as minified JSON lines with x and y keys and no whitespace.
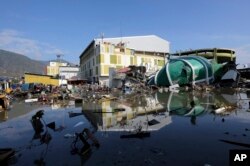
{"x":162,"y":128}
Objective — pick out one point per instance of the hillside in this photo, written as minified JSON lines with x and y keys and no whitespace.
{"x":15,"y":65}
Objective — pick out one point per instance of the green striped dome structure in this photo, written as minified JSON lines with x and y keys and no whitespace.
{"x":187,"y":70}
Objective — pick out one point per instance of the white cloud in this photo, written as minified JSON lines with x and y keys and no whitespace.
{"x":12,"y":40}
{"x":243,"y":54}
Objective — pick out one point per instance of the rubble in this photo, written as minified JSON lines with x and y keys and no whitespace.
{"x":189,"y":101}
{"x":6,"y":154}
{"x":131,"y":83}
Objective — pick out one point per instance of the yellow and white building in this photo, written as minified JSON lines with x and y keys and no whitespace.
{"x":104,"y":53}
{"x":53,"y":67}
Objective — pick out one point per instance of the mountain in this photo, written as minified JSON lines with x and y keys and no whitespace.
{"x":15,"y":65}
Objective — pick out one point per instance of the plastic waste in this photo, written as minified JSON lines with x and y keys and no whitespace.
{"x":69,"y":135}
{"x":220,"y":110}
{"x":79,"y":123}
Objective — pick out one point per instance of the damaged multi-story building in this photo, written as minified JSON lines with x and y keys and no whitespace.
{"x":104,"y":53}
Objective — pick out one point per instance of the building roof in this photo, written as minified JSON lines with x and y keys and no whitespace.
{"x":73,"y":66}
{"x":218,"y":50}
{"x":37,"y":74}
{"x":150,"y":43}
{"x":62,"y":61}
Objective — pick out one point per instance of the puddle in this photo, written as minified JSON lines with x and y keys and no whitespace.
{"x":164,"y":128}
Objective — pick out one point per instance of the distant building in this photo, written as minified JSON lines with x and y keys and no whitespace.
{"x":63,"y":70}
{"x":41,"y":79}
{"x":220,"y":55}
{"x":102,"y":54}
{"x":53,"y":67}
{"x":68,"y":72}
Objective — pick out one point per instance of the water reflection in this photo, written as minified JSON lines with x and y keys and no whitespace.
{"x":85,"y":150}
{"x":48,"y":139}
{"x":115,"y":132}
{"x":152,"y":112}
{"x":41,"y":134}
{"x":123,"y":115}
{"x":3,"y":115}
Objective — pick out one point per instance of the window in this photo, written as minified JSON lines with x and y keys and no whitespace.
{"x":160,"y":62}
{"x":97,"y":50}
{"x":90,"y":72}
{"x":128,"y":51}
{"x":102,"y":49}
{"x":142,"y":60}
{"x":119,"y":67}
{"x":131,"y":60}
{"x":96,"y":70}
{"x":113,"y":59}
{"x":118,"y":59}
{"x":101,"y":58}
{"x":98,"y":59}
{"x":111,"y":49}
{"x":106,"y":48}
{"x":135,"y":60}
{"x":105,"y":69}
{"x":132,"y":52}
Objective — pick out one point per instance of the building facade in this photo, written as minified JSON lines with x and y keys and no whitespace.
{"x":68,"y":72}
{"x":53,"y":67}
{"x":102,"y":54}
{"x":63,"y":70}
{"x":41,"y":79}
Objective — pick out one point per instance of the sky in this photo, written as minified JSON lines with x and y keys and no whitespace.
{"x":43,"y":29}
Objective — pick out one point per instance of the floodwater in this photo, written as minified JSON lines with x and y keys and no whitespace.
{"x":162,"y":128}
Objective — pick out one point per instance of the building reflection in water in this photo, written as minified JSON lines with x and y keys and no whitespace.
{"x":152,"y":112}
{"x":3,"y":115}
{"x":124,"y":115}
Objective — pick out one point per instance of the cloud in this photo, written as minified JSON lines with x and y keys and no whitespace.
{"x":12,"y":40}
{"x":242,"y":54}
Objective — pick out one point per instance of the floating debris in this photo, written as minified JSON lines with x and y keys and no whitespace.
{"x":74,"y":114}
{"x":69,"y":135}
{"x":139,"y":135}
{"x":52,"y":125}
{"x":6,"y":154}
{"x":220,"y":110}
{"x":230,"y":79}
{"x":153,"y":122}
{"x":84,"y":136}
{"x":119,"y":109}
{"x":79,"y":124}
{"x":8,"y":127}
{"x":224,"y":110}
{"x":157,"y":151}
{"x":236,"y":143}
